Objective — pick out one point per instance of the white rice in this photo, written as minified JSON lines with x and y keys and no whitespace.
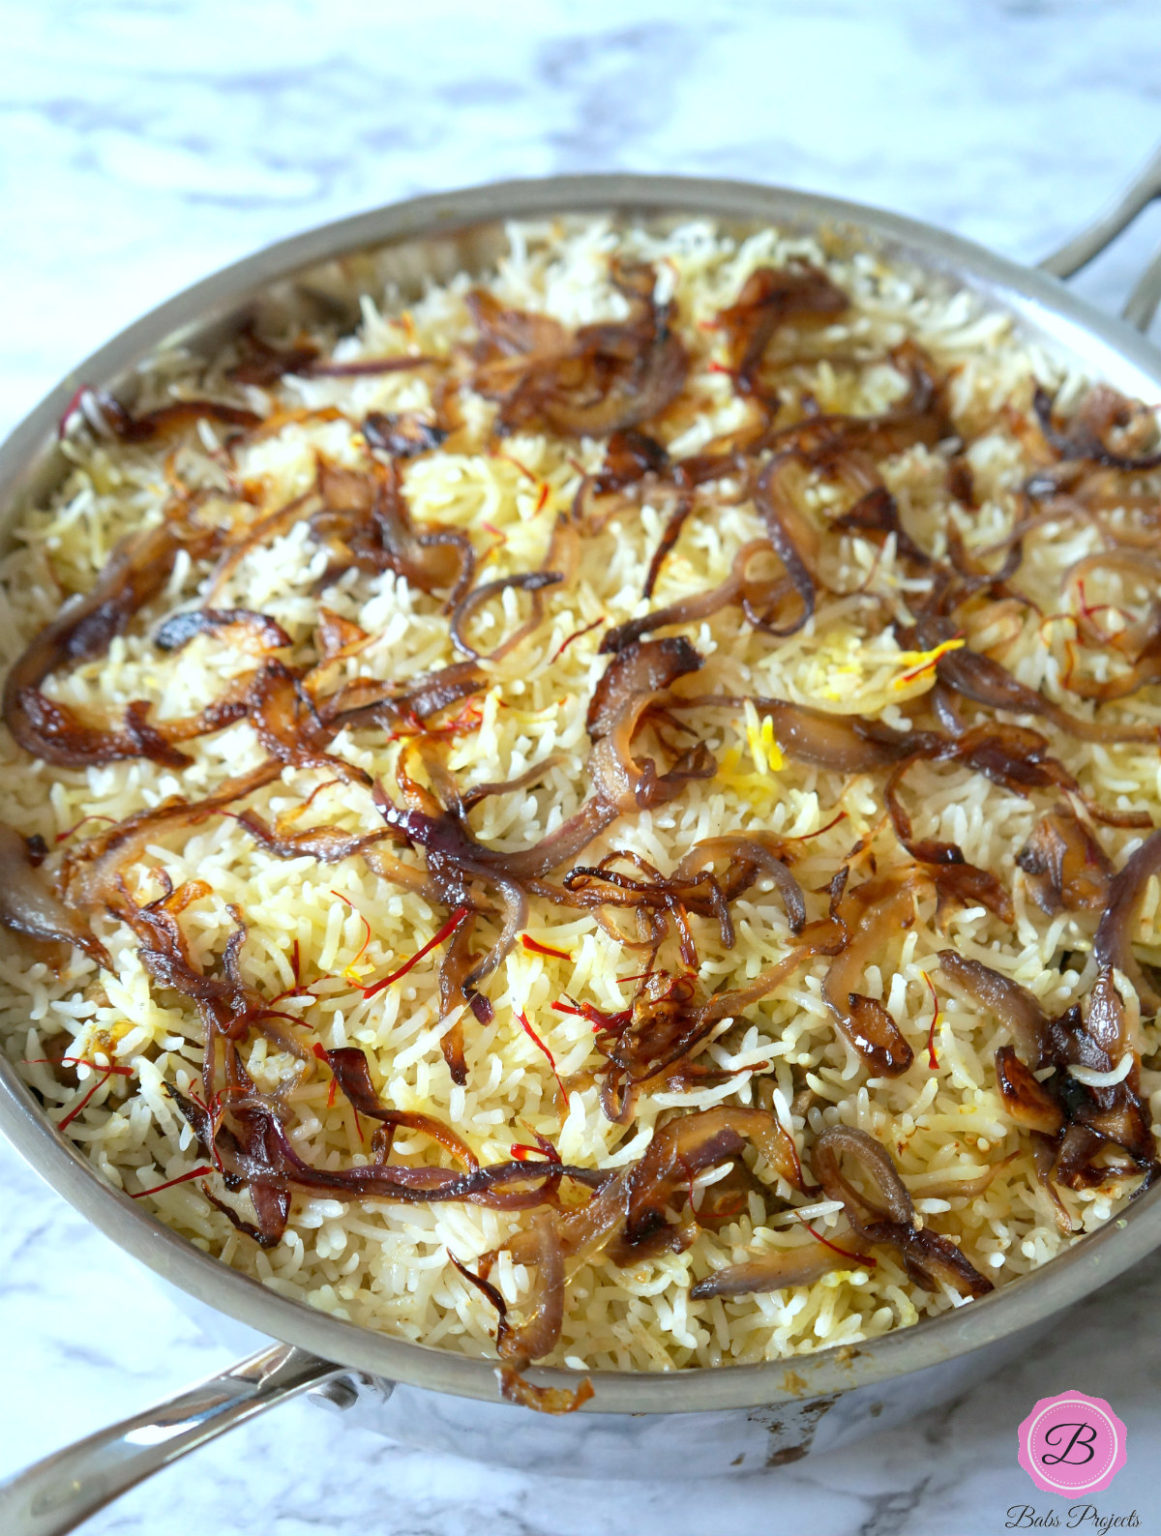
{"x":385,"y":1265}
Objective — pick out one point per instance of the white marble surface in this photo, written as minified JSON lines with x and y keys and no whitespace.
{"x":146,"y":142}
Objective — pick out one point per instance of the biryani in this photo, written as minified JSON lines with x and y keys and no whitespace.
{"x":605,"y":817}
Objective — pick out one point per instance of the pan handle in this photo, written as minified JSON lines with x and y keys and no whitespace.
{"x":1141,"y":305}
{"x":55,"y":1495}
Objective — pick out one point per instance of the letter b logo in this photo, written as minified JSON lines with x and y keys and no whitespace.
{"x":1079,"y":1448}
{"x":1072,"y":1444}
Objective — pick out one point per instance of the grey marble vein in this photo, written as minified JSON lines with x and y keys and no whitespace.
{"x":144,"y":143}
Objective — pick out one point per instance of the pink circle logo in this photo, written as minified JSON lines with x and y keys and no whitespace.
{"x":1072,"y":1444}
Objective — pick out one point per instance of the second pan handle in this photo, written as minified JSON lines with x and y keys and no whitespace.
{"x":1141,"y":304}
{"x":55,"y":1495}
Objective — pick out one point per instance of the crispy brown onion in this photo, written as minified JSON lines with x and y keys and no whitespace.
{"x":980,"y":678}
{"x":1114,"y":937}
{"x":1025,"y":1100}
{"x":1087,"y":1118}
{"x":779,"y":1269}
{"x":738,"y":587}
{"x":365,"y":523}
{"x":637,"y":671}
{"x":608,"y":377}
{"x":1102,"y":411}
{"x":180,"y":628}
{"x":770,"y":297}
{"x":253,"y":1145}
{"x":872,"y":914}
{"x":1013,"y":1004}
{"x":842,"y":743}
{"x":353,"y":1074}
{"x":402,"y":434}
{"x":29,"y":906}
{"x":668,"y":1021}
{"x":526,"y":581}
{"x":1067,"y":869}
{"x":135,"y":573}
{"x":628,"y":1215}
{"x":881,"y":1211}
{"x":263,"y":363}
{"x":169,"y":418}
{"x":777,"y":497}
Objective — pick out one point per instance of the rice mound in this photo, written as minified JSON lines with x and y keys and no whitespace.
{"x":384,"y":1265}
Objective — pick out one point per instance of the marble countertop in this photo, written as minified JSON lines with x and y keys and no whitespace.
{"x":147,"y":142}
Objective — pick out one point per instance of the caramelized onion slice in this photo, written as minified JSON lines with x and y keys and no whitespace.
{"x":266,"y":1154}
{"x":883,"y":1196}
{"x":777,"y":497}
{"x":353,"y":1074}
{"x":769,"y":298}
{"x":1067,"y":868}
{"x":873,"y":914}
{"x":28,"y":905}
{"x":1025,"y":1100}
{"x":402,"y":434}
{"x":985,"y":681}
{"x":173,"y":417}
{"x":1012,"y":1004}
{"x":135,"y":572}
{"x":638,"y":669}
{"x":841,"y":743}
{"x":528,"y":581}
{"x":258,"y":628}
{"x":1114,"y":937}
{"x":329,"y":845}
{"x":764,"y":853}
{"x":1102,"y":411}
{"x":604,"y":379}
{"x":880,"y":1210}
{"x":781,"y":1269}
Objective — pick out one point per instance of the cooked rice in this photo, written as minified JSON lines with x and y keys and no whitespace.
{"x":386,"y":1265}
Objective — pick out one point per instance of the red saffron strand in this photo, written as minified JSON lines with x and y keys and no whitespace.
{"x":927,"y":666}
{"x":545,"y":1146}
{"x":320,"y":1051}
{"x":317,"y":790}
{"x":540,"y":1045}
{"x":542,"y":949}
{"x":348,"y":970}
{"x":182,"y":1178}
{"x":858,"y":1258}
{"x":689,"y":1180}
{"x":833,"y":822}
{"x":71,"y":409}
{"x":298,"y":990}
{"x":523,"y":468}
{"x":542,"y":499}
{"x":444,"y":933}
{"x":62,"y":1125}
{"x":576,"y":635}
{"x":77,"y":1061}
{"x":602,"y":1022}
{"x":932,"y":1058}
{"x":77,"y":825}
{"x":789,"y":1140}
{"x":521,"y":1152}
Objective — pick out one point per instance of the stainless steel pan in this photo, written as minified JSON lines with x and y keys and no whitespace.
{"x":700,"y":1421}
